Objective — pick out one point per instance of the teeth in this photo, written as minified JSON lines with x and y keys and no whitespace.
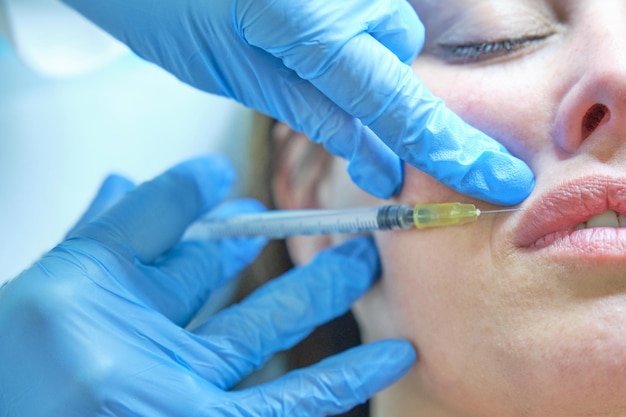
{"x":607,"y":219}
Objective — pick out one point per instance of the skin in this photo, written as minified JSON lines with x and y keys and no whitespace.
{"x":503,"y":329}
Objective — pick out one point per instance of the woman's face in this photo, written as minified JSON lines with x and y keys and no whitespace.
{"x":519,"y":314}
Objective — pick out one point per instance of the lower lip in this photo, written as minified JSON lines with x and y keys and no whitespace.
{"x":600,"y":243}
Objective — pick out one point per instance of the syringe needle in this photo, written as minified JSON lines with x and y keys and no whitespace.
{"x":500,"y":210}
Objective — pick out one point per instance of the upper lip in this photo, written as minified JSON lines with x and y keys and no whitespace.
{"x":568,"y":205}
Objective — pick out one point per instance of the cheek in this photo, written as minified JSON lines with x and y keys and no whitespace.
{"x":436,"y":280}
{"x":440,"y":290}
{"x":493,"y":331}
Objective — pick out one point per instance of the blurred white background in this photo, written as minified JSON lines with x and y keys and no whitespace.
{"x":69,"y":118}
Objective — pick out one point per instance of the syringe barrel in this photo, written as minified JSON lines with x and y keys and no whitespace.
{"x":281,"y":224}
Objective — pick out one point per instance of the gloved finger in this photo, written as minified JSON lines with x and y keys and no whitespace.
{"x":420,"y":129}
{"x":373,"y":166}
{"x":399,"y":30}
{"x":305,"y":108}
{"x":415,"y":125}
{"x":312,"y":49}
{"x":111,"y":190}
{"x":283,"y":312}
{"x":334,"y":385}
{"x":152,"y":218}
{"x":190,"y":271}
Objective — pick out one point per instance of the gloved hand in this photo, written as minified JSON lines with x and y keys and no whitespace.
{"x":95,"y":327}
{"x":332,"y":69}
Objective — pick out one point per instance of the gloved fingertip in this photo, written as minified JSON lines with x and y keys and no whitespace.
{"x":403,"y":353}
{"x":400,"y":183}
{"x":384,"y":362}
{"x":359,"y":247}
{"x":402,"y":32}
{"x":111,"y":190}
{"x":361,"y":256}
{"x":517,"y":188}
{"x":117,"y":185}
{"x":366,"y":369}
{"x":509,"y":181}
{"x":240,"y":251}
{"x":382,"y":183}
{"x":213,"y":174}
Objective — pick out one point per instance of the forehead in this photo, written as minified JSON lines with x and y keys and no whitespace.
{"x":424,"y":8}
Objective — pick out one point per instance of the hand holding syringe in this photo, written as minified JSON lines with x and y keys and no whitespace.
{"x":279,"y":224}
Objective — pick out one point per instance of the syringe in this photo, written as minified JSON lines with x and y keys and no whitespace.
{"x":279,"y":224}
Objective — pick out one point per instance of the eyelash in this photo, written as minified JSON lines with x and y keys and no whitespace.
{"x":474,"y":52}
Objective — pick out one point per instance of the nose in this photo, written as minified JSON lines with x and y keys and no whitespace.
{"x":591,"y":116}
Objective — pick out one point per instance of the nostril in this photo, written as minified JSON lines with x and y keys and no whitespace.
{"x":593,"y":118}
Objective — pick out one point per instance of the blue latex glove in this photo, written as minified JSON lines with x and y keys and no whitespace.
{"x":94,"y":327}
{"x":328,"y":68}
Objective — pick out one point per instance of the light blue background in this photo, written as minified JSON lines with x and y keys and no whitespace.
{"x":59,"y":138}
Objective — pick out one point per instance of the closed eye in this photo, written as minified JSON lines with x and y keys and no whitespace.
{"x":481,"y":51}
